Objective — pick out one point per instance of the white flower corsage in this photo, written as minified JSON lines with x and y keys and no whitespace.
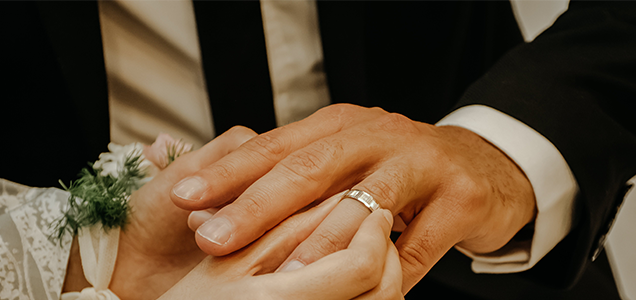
{"x":102,"y":192}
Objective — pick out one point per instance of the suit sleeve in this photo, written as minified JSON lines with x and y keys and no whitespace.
{"x":575,"y":84}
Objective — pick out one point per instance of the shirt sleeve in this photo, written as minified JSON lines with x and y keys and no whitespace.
{"x":552,"y":180}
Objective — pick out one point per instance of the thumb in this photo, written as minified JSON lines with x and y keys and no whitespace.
{"x":151,"y":205}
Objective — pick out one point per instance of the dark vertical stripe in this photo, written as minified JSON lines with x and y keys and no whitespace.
{"x":342,"y":34}
{"x":235,"y":64}
{"x":76,"y":38}
{"x":54,"y":114}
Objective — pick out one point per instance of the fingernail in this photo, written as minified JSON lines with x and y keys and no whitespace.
{"x":191,"y":188}
{"x":291,"y":265}
{"x":198,"y":217}
{"x":216,"y":230}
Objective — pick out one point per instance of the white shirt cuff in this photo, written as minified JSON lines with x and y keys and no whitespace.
{"x":552,"y":180}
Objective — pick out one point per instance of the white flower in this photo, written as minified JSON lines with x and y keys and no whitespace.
{"x":112,"y":163}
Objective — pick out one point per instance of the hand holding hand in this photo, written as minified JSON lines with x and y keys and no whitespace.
{"x":448,"y":184}
{"x":156,"y":248}
{"x":368,"y":269}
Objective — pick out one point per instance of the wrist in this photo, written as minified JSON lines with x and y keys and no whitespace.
{"x":507,"y":201}
{"x":74,"y":280}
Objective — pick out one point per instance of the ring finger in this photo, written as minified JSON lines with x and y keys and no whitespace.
{"x":335,"y":232}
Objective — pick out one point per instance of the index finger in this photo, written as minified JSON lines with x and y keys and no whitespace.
{"x":227,"y":178}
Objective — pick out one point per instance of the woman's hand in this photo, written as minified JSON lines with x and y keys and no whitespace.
{"x":368,"y":269}
{"x":156,"y":247}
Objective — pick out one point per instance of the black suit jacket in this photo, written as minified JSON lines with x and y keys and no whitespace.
{"x":573,"y":84}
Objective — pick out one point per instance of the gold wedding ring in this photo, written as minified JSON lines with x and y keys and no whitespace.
{"x":362,"y":197}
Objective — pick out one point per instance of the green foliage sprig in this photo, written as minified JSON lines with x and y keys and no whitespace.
{"x":100,"y":198}
{"x":176,"y":149}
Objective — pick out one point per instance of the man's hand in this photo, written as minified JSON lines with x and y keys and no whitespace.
{"x":448,"y":185}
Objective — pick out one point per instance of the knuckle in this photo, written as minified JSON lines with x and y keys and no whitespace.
{"x":240,"y":130}
{"x":343,"y":114}
{"x":416,"y":257}
{"x":238,"y":135}
{"x":223,"y":171}
{"x":309,"y":162}
{"x":267,"y":146}
{"x":339,"y":114}
{"x":469,"y":193}
{"x":304,"y":161}
{"x":436,"y":154}
{"x":384,"y":192}
{"x":329,"y":241}
{"x":377,"y":109}
{"x":341,"y":109}
{"x":255,"y":205}
{"x":394,"y":122}
{"x":391,"y":187}
{"x":367,"y":270}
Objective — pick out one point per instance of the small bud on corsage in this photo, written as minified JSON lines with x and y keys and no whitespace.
{"x":102,"y":192}
{"x":165,"y":150}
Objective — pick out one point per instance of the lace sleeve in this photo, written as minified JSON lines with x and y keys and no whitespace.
{"x":32,"y":266}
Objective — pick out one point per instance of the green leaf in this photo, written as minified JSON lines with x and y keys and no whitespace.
{"x":100,"y":199}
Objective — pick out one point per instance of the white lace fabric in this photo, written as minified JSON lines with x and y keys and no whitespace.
{"x":32,"y":265}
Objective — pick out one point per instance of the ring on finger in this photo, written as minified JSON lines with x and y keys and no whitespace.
{"x":362,"y":197}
